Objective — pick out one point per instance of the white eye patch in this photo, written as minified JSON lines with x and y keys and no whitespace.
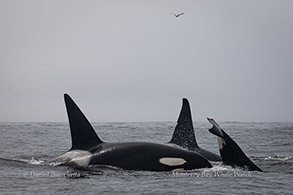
{"x":172,"y":161}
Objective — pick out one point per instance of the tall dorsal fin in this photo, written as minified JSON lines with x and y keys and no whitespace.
{"x":184,"y":133}
{"x":83,"y":135}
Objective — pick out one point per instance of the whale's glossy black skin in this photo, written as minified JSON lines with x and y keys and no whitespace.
{"x":88,"y":149}
{"x":230,"y":152}
{"x":184,"y":135}
{"x":145,"y":156}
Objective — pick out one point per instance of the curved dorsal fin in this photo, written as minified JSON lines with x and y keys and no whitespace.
{"x":230,"y":151}
{"x":184,"y":133}
{"x":83,"y":135}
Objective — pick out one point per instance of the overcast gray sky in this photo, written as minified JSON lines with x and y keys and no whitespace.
{"x":134,"y":61}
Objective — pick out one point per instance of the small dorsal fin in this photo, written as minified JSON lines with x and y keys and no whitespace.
{"x":184,"y":133}
{"x":83,"y":135}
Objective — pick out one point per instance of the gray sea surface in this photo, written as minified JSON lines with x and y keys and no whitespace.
{"x":25,"y":147}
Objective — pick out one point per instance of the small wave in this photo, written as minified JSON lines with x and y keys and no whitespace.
{"x":56,"y":163}
{"x":278,"y":158}
{"x":219,"y":168}
{"x":109,"y":167}
{"x":33,"y":161}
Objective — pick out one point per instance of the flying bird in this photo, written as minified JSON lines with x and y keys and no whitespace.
{"x":177,"y":15}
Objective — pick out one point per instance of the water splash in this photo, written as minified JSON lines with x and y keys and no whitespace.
{"x":277,"y":158}
{"x":34,"y":161}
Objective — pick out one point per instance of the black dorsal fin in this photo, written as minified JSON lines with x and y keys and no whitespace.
{"x":83,"y":135}
{"x":184,"y":133}
{"x":230,"y":151}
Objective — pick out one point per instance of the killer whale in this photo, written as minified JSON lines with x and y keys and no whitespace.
{"x":88,"y":149}
{"x":184,"y":135}
{"x":230,"y":152}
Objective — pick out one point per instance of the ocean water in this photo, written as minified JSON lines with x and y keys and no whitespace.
{"x":24,"y":147}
